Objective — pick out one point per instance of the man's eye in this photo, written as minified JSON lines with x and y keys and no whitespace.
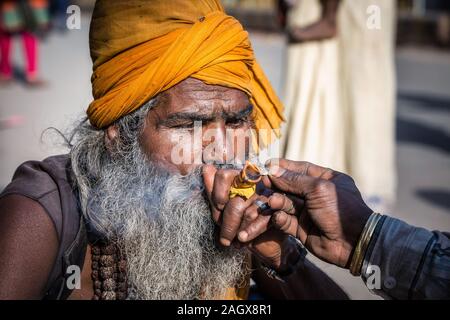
{"x":183,"y":125}
{"x":237,"y":122}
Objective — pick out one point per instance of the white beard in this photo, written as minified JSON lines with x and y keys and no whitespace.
{"x":162,"y":224}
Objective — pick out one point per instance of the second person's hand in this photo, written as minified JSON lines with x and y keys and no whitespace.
{"x":333,"y":214}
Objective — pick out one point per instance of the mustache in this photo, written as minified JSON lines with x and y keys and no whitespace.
{"x":227,"y":166}
{"x":238,"y":164}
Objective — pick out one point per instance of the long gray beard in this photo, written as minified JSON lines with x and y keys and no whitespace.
{"x":163,"y":226}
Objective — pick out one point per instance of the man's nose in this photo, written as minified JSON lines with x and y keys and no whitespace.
{"x":215,"y":148}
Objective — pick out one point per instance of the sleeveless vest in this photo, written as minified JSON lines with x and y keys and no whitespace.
{"x":49,"y":183}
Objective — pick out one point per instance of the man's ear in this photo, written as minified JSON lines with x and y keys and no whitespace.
{"x":111,"y":136}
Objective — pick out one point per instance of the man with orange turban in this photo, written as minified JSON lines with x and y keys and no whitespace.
{"x":120,"y":209}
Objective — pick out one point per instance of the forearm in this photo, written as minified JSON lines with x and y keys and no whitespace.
{"x":406,"y":262}
{"x":323,"y":29}
{"x":330,"y":9}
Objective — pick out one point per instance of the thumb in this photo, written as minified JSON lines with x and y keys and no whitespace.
{"x":291,"y":182}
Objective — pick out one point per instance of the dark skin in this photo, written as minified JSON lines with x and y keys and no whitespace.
{"x":324,"y":28}
{"x":322,"y":208}
{"x":328,"y":214}
{"x":27,"y":257}
{"x":319,"y":206}
{"x":28,"y":248}
{"x":218,"y":108}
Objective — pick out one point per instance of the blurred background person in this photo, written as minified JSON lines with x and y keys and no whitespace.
{"x":58,"y":10}
{"x":11,"y":122}
{"x":340,"y":90}
{"x":25,"y":18}
{"x":368,"y":92}
{"x":314,"y":119}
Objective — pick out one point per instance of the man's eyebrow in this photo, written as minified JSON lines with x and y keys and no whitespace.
{"x":240,"y":114}
{"x":193,"y":116}
{"x":198,"y":116}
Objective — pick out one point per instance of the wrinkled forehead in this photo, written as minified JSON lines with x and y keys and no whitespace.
{"x":192,"y":95}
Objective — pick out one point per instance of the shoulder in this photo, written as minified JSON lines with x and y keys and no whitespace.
{"x":41,"y":229}
{"x":31,"y":225}
{"x":28,"y":247}
{"x":46,"y":182}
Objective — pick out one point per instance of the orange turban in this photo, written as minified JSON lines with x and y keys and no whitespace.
{"x":140,"y":48}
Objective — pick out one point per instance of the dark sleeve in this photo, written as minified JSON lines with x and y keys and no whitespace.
{"x":407,"y":262}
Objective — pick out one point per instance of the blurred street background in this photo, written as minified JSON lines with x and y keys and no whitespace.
{"x":422,"y":119}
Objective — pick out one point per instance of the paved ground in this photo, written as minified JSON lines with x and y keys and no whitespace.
{"x":423,"y":148}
